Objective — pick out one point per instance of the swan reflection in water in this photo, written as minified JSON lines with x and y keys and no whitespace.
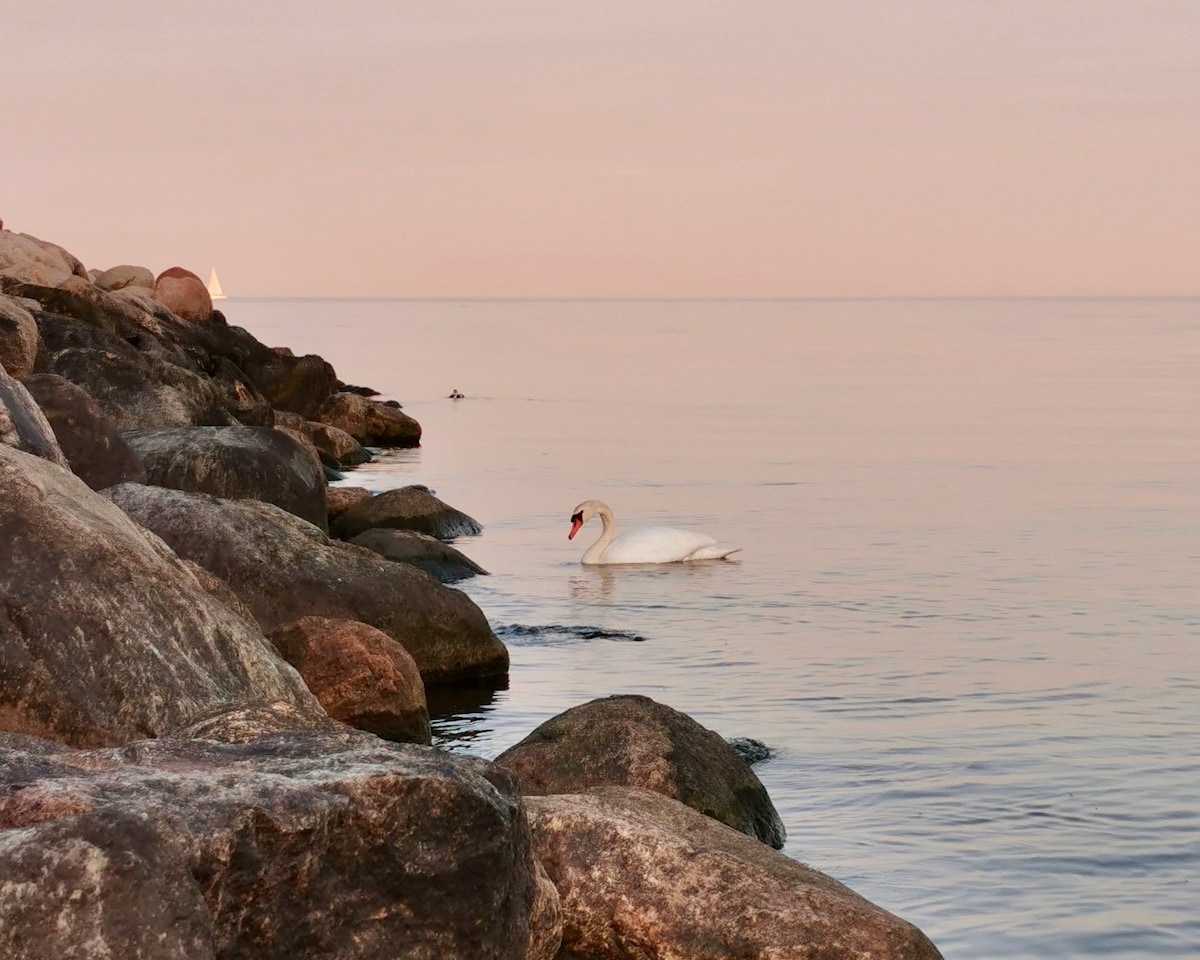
{"x":595,"y":583}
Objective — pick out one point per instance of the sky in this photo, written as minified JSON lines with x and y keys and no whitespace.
{"x":511,"y":148}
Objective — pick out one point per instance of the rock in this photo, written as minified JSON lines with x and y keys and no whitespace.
{"x":340,"y":499}
{"x":124,"y":277}
{"x":635,"y":741}
{"x":422,"y":551}
{"x":284,"y":848}
{"x":183,"y":293}
{"x":639,"y":875}
{"x":338,"y":444}
{"x":104,"y":634}
{"x":23,"y":426}
{"x":140,"y":391}
{"x":751,"y":750}
{"x":245,"y":723}
{"x":37,"y":261}
{"x":407,"y":508}
{"x":360,"y":676}
{"x":369,"y":422}
{"x":234,"y":463}
{"x":285,"y":569}
{"x":94,"y":450}
{"x":219,"y":590}
{"x":118,"y":890}
{"x":18,"y":338}
{"x":353,"y":388}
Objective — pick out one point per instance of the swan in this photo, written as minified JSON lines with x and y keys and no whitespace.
{"x":648,"y":545}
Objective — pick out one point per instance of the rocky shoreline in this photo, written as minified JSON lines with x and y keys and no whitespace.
{"x":214,"y":670}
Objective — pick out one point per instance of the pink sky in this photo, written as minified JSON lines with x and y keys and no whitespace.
{"x":700,"y":148}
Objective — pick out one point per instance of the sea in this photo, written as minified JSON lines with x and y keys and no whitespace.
{"x":966,"y":615}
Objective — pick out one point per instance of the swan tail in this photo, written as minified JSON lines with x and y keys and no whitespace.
{"x":716,"y":551}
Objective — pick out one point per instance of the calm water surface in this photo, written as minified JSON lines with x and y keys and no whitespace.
{"x":966,"y":618}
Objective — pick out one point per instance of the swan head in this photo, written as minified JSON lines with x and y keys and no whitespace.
{"x":583,"y":513}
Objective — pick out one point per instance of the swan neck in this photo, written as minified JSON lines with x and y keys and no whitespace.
{"x":595,"y":553}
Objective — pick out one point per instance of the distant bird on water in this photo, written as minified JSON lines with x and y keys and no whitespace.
{"x":455,"y":395}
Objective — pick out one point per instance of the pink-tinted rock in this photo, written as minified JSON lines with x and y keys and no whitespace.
{"x":183,"y":293}
{"x":369,"y":422}
{"x":125,"y":276}
{"x":341,"y":499}
{"x":338,"y":444}
{"x":23,"y":426}
{"x":359,"y":674}
{"x":27,"y":258}
{"x":639,"y":875}
{"x":407,"y":508}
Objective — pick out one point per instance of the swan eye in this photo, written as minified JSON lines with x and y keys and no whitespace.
{"x":577,"y":516}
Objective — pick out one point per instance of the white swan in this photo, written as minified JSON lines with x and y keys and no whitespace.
{"x":648,"y":545}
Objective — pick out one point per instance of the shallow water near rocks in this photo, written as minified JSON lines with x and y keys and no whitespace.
{"x":965,"y":620}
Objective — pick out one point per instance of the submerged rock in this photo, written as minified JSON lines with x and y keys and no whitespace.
{"x":105,"y":635}
{"x":635,"y":741}
{"x":285,"y":848}
{"x":640,"y":875}
{"x":284,"y":569}
{"x":406,"y":508}
{"x":422,"y":551}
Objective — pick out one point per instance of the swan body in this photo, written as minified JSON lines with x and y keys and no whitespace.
{"x":647,"y":545}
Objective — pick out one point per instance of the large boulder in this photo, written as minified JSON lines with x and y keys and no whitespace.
{"x":29,"y":259}
{"x":283,"y":848}
{"x":23,"y":426}
{"x":18,"y":338}
{"x":635,"y":741}
{"x":258,"y":463}
{"x":406,"y":508}
{"x":124,"y":277}
{"x":422,"y":551}
{"x":359,"y":675}
{"x":105,"y":635}
{"x":340,"y":499}
{"x":369,"y":422}
{"x":284,"y":569}
{"x":639,"y":875}
{"x":183,"y":293}
{"x":94,"y":450}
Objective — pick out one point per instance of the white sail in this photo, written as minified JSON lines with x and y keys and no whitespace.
{"x":214,"y":286}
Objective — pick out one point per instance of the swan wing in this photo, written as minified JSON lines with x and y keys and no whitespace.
{"x":661,"y":545}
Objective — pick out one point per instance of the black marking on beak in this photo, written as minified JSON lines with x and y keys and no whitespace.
{"x":577,"y":516}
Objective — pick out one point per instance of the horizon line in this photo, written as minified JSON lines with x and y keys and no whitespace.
{"x":729,"y":299}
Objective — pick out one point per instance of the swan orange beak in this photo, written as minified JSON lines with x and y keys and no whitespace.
{"x":576,"y":523}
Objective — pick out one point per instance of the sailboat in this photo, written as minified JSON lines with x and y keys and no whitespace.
{"x":214,"y":286}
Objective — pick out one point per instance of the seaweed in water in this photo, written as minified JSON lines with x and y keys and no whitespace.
{"x":554,"y":633}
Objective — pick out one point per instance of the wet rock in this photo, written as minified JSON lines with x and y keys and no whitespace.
{"x":751,"y":750}
{"x":285,"y":569}
{"x":283,"y":848}
{"x":104,"y":634}
{"x":407,"y":508}
{"x":340,"y":499}
{"x":234,"y":463}
{"x":359,"y":674}
{"x":635,"y":741}
{"x":639,"y":875}
{"x":18,"y":338}
{"x":94,"y":450}
{"x":422,"y":551}
{"x":369,"y":422}
{"x":23,"y":426}
{"x":183,"y":293}
{"x":338,"y":444}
